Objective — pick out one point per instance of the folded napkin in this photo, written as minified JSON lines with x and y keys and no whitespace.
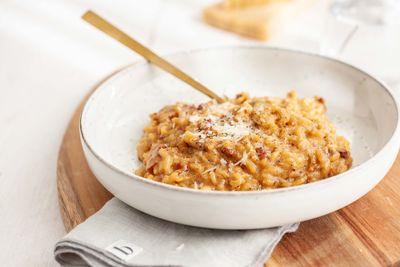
{"x":119,"y":235}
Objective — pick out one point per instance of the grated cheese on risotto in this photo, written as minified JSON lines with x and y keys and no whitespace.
{"x":243,"y":144}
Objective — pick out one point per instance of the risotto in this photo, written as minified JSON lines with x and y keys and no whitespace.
{"x":243,"y":144}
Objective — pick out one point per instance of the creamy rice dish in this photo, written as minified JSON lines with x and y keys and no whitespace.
{"x":243,"y":144}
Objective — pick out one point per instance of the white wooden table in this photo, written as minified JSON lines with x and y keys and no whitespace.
{"x":49,"y":59}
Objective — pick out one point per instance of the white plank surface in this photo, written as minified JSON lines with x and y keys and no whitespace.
{"x":49,"y":59}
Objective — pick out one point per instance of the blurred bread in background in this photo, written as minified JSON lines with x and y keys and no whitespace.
{"x":247,"y":3}
{"x":257,"y":19}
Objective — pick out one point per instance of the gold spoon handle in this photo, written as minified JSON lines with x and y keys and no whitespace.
{"x":109,"y":29}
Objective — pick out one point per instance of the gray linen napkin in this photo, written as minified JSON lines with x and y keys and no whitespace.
{"x":119,"y":235}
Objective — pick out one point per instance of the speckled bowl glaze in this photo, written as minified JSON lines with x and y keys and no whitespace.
{"x":363,"y":109}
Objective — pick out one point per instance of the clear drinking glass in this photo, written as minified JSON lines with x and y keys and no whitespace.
{"x":373,"y":41}
{"x":370,"y":12}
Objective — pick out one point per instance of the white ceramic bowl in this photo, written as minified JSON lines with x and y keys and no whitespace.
{"x":362,"y":108}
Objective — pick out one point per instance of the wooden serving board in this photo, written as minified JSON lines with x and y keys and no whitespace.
{"x":365,"y":233}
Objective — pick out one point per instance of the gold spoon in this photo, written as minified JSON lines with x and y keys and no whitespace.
{"x":109,"y":29}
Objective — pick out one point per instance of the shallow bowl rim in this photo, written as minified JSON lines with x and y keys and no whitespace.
{"x":126,"y":69}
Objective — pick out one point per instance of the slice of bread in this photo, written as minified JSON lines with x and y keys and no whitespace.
{"x":247,"y":3}
{"x":253,"y":18}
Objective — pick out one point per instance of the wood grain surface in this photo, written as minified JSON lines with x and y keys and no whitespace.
{"x":365,"y":233}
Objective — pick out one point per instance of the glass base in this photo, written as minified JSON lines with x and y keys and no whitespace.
{"x":371,"y":12}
